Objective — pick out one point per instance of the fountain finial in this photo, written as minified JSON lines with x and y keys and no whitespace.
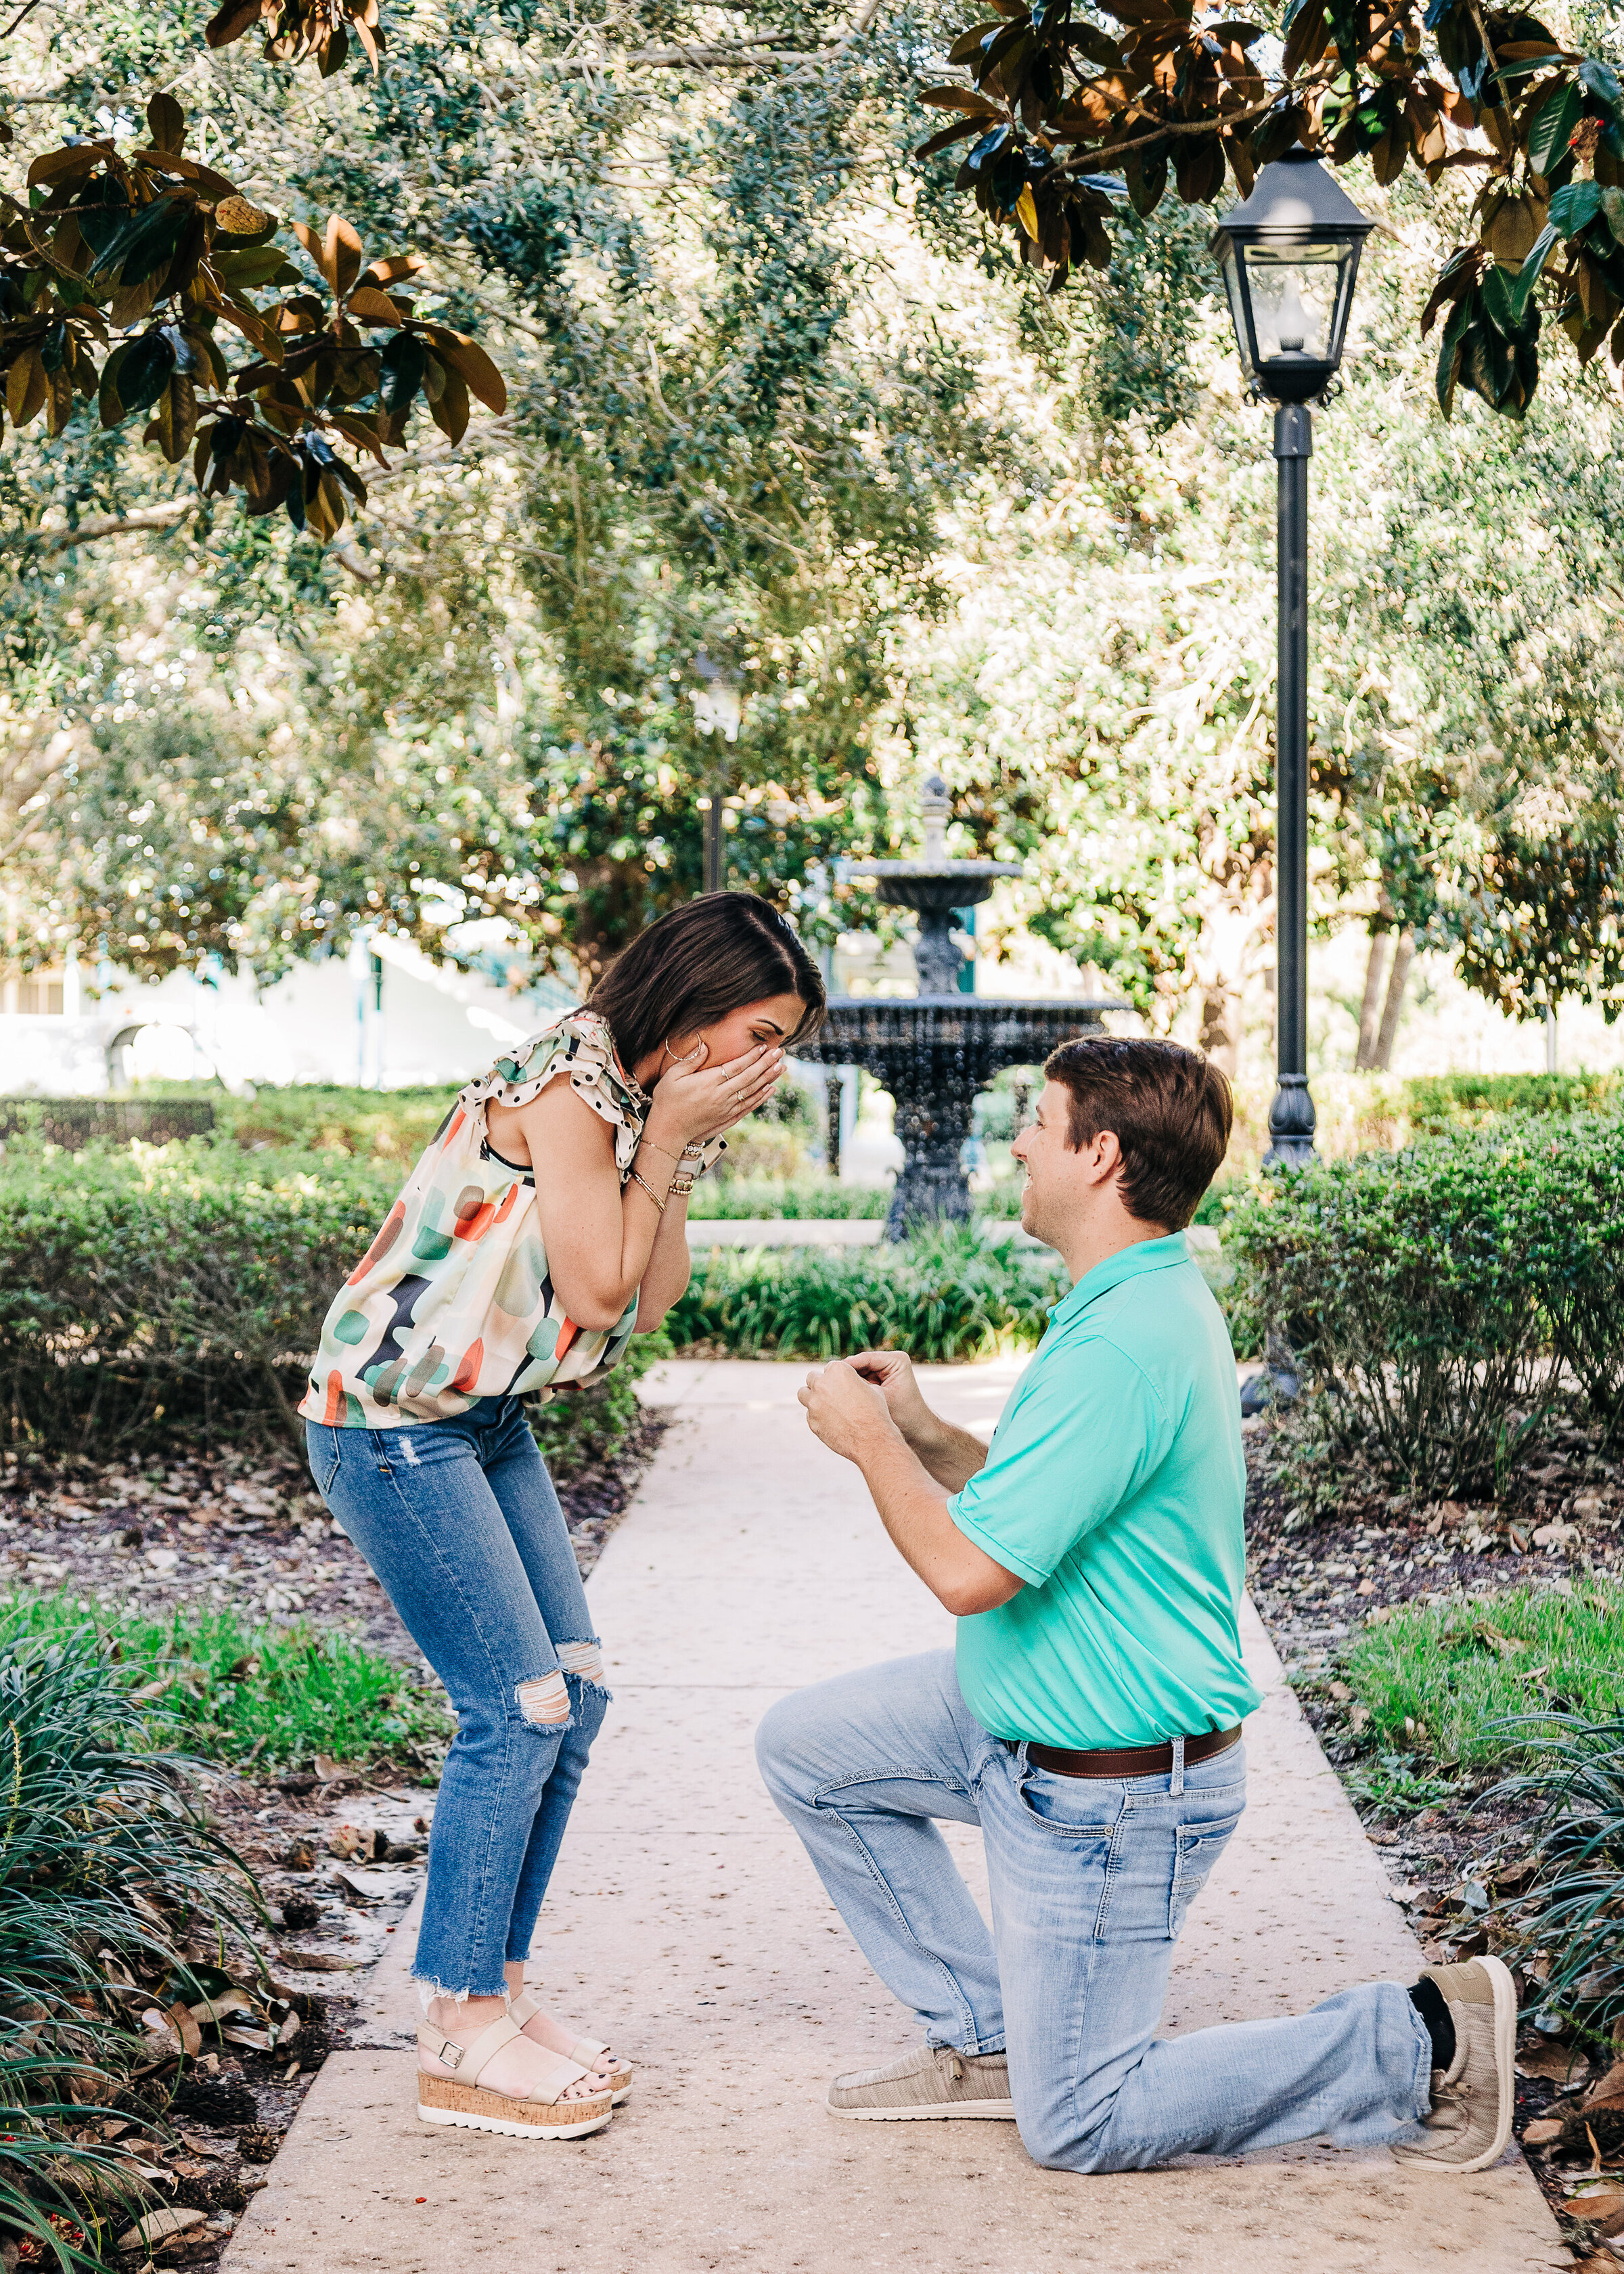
{"x":935,"y":808}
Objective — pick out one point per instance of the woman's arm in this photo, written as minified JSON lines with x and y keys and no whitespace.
{"x":667,"y":1274}
{"x":601,"y":1240}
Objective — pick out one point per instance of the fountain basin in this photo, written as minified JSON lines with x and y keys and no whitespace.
{"x":932,"y":1053}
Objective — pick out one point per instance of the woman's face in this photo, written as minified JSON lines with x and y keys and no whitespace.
{"x":772,"y":1021}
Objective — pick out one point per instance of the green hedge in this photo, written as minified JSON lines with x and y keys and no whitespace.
{"x":144,"y":1292}
{"x":139,"y":1290}
{"x":1442,"y":1299}
{"x":941,"y":1296}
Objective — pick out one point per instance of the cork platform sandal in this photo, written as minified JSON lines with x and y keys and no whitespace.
{"x":587,"y":2050}
{"x":462,"y":2099}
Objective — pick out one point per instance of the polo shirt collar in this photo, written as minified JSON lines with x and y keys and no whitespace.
{"x":1127,"y":1263}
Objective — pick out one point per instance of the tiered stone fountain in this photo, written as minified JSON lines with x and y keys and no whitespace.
{"x":935,"y":1050}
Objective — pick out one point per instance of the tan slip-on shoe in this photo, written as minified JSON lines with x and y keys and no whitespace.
{"x":587,"y":2050}
{"x":1475,"y":2097}
{"x":934,"y":2080}
{"x":462,"y":2099}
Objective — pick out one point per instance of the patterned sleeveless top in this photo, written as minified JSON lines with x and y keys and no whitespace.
{"x":452,"y":1301}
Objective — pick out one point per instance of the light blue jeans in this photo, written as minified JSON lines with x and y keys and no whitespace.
{"x":1090,"y":1883}
{"x":460,"y":1522}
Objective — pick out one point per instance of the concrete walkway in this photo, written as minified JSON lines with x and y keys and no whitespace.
{"x":685,"y":1925}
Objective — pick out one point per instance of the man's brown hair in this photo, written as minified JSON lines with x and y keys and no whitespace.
{"x":1169,"y":1108}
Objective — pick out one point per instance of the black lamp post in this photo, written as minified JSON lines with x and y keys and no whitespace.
{"x":1289,"y":255}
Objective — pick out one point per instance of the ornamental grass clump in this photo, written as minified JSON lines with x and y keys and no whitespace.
{"x":1566,"y":1923}
{"x":1442,"y":1299}
{"x":117,"y":1907}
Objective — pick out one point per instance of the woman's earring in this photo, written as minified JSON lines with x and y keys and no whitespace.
{"x":701,"y":1048}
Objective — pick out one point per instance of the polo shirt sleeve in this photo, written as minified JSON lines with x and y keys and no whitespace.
{"x":1085,"y":1434}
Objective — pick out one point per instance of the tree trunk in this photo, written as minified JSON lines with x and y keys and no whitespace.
{"x":1370,"y":1009}
{"x":1403,"y":955}
{"x":1221,"y":1029}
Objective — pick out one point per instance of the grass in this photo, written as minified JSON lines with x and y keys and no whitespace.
{"x":1442,"y":1683}
{"x":271,"y":1695}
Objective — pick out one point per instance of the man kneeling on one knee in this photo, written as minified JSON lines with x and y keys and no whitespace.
{"x":1089,"y":1720}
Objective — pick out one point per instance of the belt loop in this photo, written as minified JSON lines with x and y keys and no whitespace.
{"x":1177,"y":1785}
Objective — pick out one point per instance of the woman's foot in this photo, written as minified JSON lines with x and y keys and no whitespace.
{"x":608,"y":2072}
{"x":526,"y":2069}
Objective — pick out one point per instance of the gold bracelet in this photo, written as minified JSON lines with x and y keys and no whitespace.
{"x":660,"y":1149}
{"x":648,"y":1188}
{"x":681,"y":1186}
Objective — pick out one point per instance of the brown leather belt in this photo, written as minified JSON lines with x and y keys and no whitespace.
{"x":1129,"y":1760}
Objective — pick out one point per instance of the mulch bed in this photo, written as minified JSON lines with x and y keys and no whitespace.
{"x":338,"y":1855}
{"x":1315,"y":1583}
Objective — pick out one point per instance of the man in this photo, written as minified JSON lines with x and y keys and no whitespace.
{"x":1089,"y":1720}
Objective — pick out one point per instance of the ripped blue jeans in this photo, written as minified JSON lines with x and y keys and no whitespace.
{"x":460,"y":1522}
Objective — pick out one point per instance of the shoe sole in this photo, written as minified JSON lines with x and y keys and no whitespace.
{"x":472,"y":2123}
{"x":998,"y":2110}
{"x":1505,"y":2066}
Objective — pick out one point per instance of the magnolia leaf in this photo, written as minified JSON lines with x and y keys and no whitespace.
{"x":231,"y":21}
{"x":480,"y":375}
{"x":1573,"y":207}
{"x":960,"y":98}
{"x":166,"y":122}
{"x":26,"y":388}
{"x":371,"y":307}
{"x":341,"y":254}
{"x":403,"y":364}
{"x":391,"y":270}
{"x":948,"y":135}
{"x":448,"y":408}
{"x":71,"y":165}
{"x":1026,"y":212}
{"x":1552,"y":127}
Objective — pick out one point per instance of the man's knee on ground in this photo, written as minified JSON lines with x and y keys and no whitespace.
{"x":779,"y":1746}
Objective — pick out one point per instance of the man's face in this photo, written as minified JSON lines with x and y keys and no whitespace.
{"x":1052,"y":1181}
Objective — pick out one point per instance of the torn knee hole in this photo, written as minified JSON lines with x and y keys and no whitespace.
{"x":545,"y":1701}
{"x":584,"y":1660}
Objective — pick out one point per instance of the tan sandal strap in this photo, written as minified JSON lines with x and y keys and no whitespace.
{"x":468,"y":2061}
{"x":587,"y":2050}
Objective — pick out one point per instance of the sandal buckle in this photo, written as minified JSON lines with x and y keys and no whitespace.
{"x":451,"y":2054}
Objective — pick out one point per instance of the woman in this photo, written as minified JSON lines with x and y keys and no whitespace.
{"x":543,"y":1226}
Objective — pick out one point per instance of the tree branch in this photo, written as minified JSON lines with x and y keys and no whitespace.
{"x":91,"y":532}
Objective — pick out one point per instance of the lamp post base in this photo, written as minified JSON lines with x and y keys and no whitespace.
{"x":1291,"y":1125}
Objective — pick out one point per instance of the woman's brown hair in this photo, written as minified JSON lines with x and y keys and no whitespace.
{"x":697,"y":963}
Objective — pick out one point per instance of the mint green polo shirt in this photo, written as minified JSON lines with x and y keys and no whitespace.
{"x":1115,"y":1487}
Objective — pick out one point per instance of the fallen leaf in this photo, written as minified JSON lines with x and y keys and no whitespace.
{"x":1542,"y":2131}
{"x":1607,"y":2091}
{"x":157,"y":2227}
{"x":1561,"y":2064}
{"x":1602,"y":2206}
{"x":317,"y":1962}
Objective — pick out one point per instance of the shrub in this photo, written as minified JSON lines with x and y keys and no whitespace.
{"x":142,"y":1289}
{"x":942,"y":1295}
{"x":1433,"y":1295}
{"x":106,"y":1873}
{"x":730,"y":1198}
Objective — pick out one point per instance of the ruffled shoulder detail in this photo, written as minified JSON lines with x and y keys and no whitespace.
{"x":577,"y":1044}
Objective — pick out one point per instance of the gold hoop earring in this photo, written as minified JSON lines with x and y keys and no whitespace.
{"x":700,"y":1049}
